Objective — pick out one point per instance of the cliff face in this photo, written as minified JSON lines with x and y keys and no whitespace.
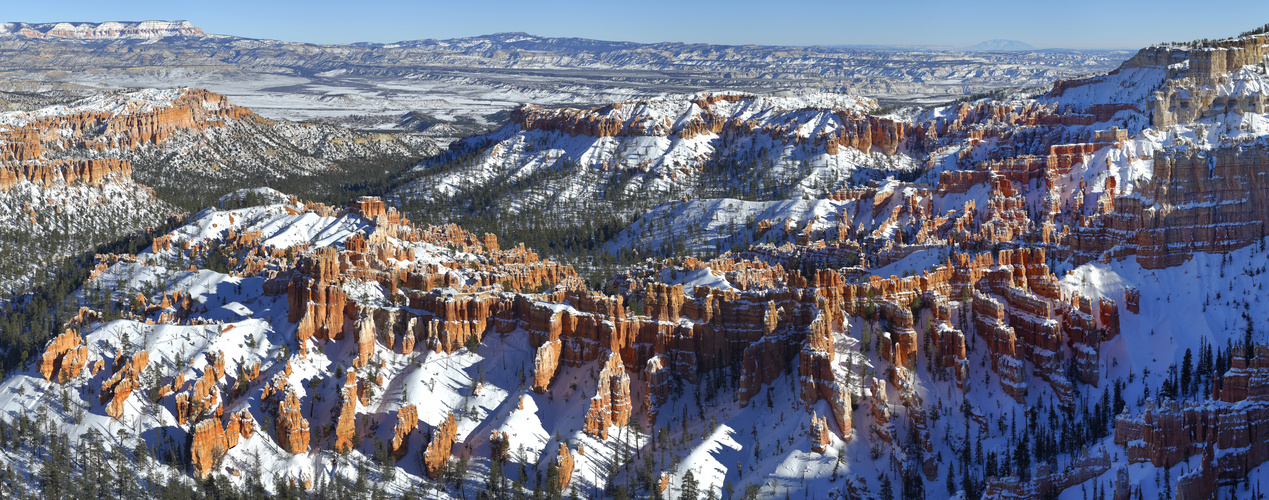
{"x":1213,"y":202}
{"x":118,"y":123}
{"x":1201,"y":88}
{"x":63,"y":171}
{"x":717,"y":115}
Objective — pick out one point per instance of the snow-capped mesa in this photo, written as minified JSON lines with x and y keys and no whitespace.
{"x":108,"y":30}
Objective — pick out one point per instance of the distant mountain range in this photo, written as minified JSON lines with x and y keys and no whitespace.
{"x":465,"y":83}
{"x":1000,"y":45}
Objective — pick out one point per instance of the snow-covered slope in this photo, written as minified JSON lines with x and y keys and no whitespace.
{"x":85,"y":172}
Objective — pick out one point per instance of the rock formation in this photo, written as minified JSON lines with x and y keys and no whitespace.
{"x":436,"y":457}
{"x":64,"y":357}
{"x":564,"y":465}
{"x":126,"y":378}
{"x":820,"y":437}
{"x":346,"y":422}
{"x":1223,"y":432}
{"x":292,"y":427}
{"x":207,"y":446}
{"x":407,"y":421}
{"x":611,"y":404}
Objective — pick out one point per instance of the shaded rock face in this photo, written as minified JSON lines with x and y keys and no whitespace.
{"x":436,"y":457}
{"x":657,"y":380}
{"x":820,"y":383}
{"x":119,"y":386}
{"x":291,"y":428}
{"x":499,"y":446}
{"x":407,"y":421}
{"x":1082,"y":469}
{"x":879,"y":408}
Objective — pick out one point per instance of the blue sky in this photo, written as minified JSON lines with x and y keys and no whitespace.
{"x":1070,"y":23}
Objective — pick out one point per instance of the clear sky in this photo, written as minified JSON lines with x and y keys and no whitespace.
{"x":1048,"y":24}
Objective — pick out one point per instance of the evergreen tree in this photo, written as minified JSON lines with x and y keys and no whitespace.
{"x":688,"y":489}
{"x":1186,"y":371}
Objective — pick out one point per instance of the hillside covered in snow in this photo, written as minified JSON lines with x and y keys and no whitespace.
{"x":717,"y":294}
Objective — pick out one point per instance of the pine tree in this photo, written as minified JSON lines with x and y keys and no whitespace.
{"x":688,"y":489}
{"x":1186,"y":371}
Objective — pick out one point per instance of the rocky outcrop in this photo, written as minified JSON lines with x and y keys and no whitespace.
{"x":499,"y":446}
{"x":1002,"y":342}
{"x":546,"y":362}
{"x":369,"y":207}
{"x":240,"y":425}
{"x":657,"y":379}
{"x":69,"y":172}
{"x":820,"y":437}
{"x":364,"y":336}
{"x":315,"y":298}
{"x":436,"y":457}
{"x":140,"y":121}
{"x":291,"y":427}
{"x":64,"y":357}
{"x":849,"y":129}
{"x":201,"y":399}
{"x":407,"y":421}
{"x":879,"y":408}
{"x":126,"y":378}
{"x":817,"y":377}
{"x":207,"y":445}
{"x":611,"y":404}
{"x":1083,"y":468}
{"x":346,"y":422}
{"x":564,"y":465}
